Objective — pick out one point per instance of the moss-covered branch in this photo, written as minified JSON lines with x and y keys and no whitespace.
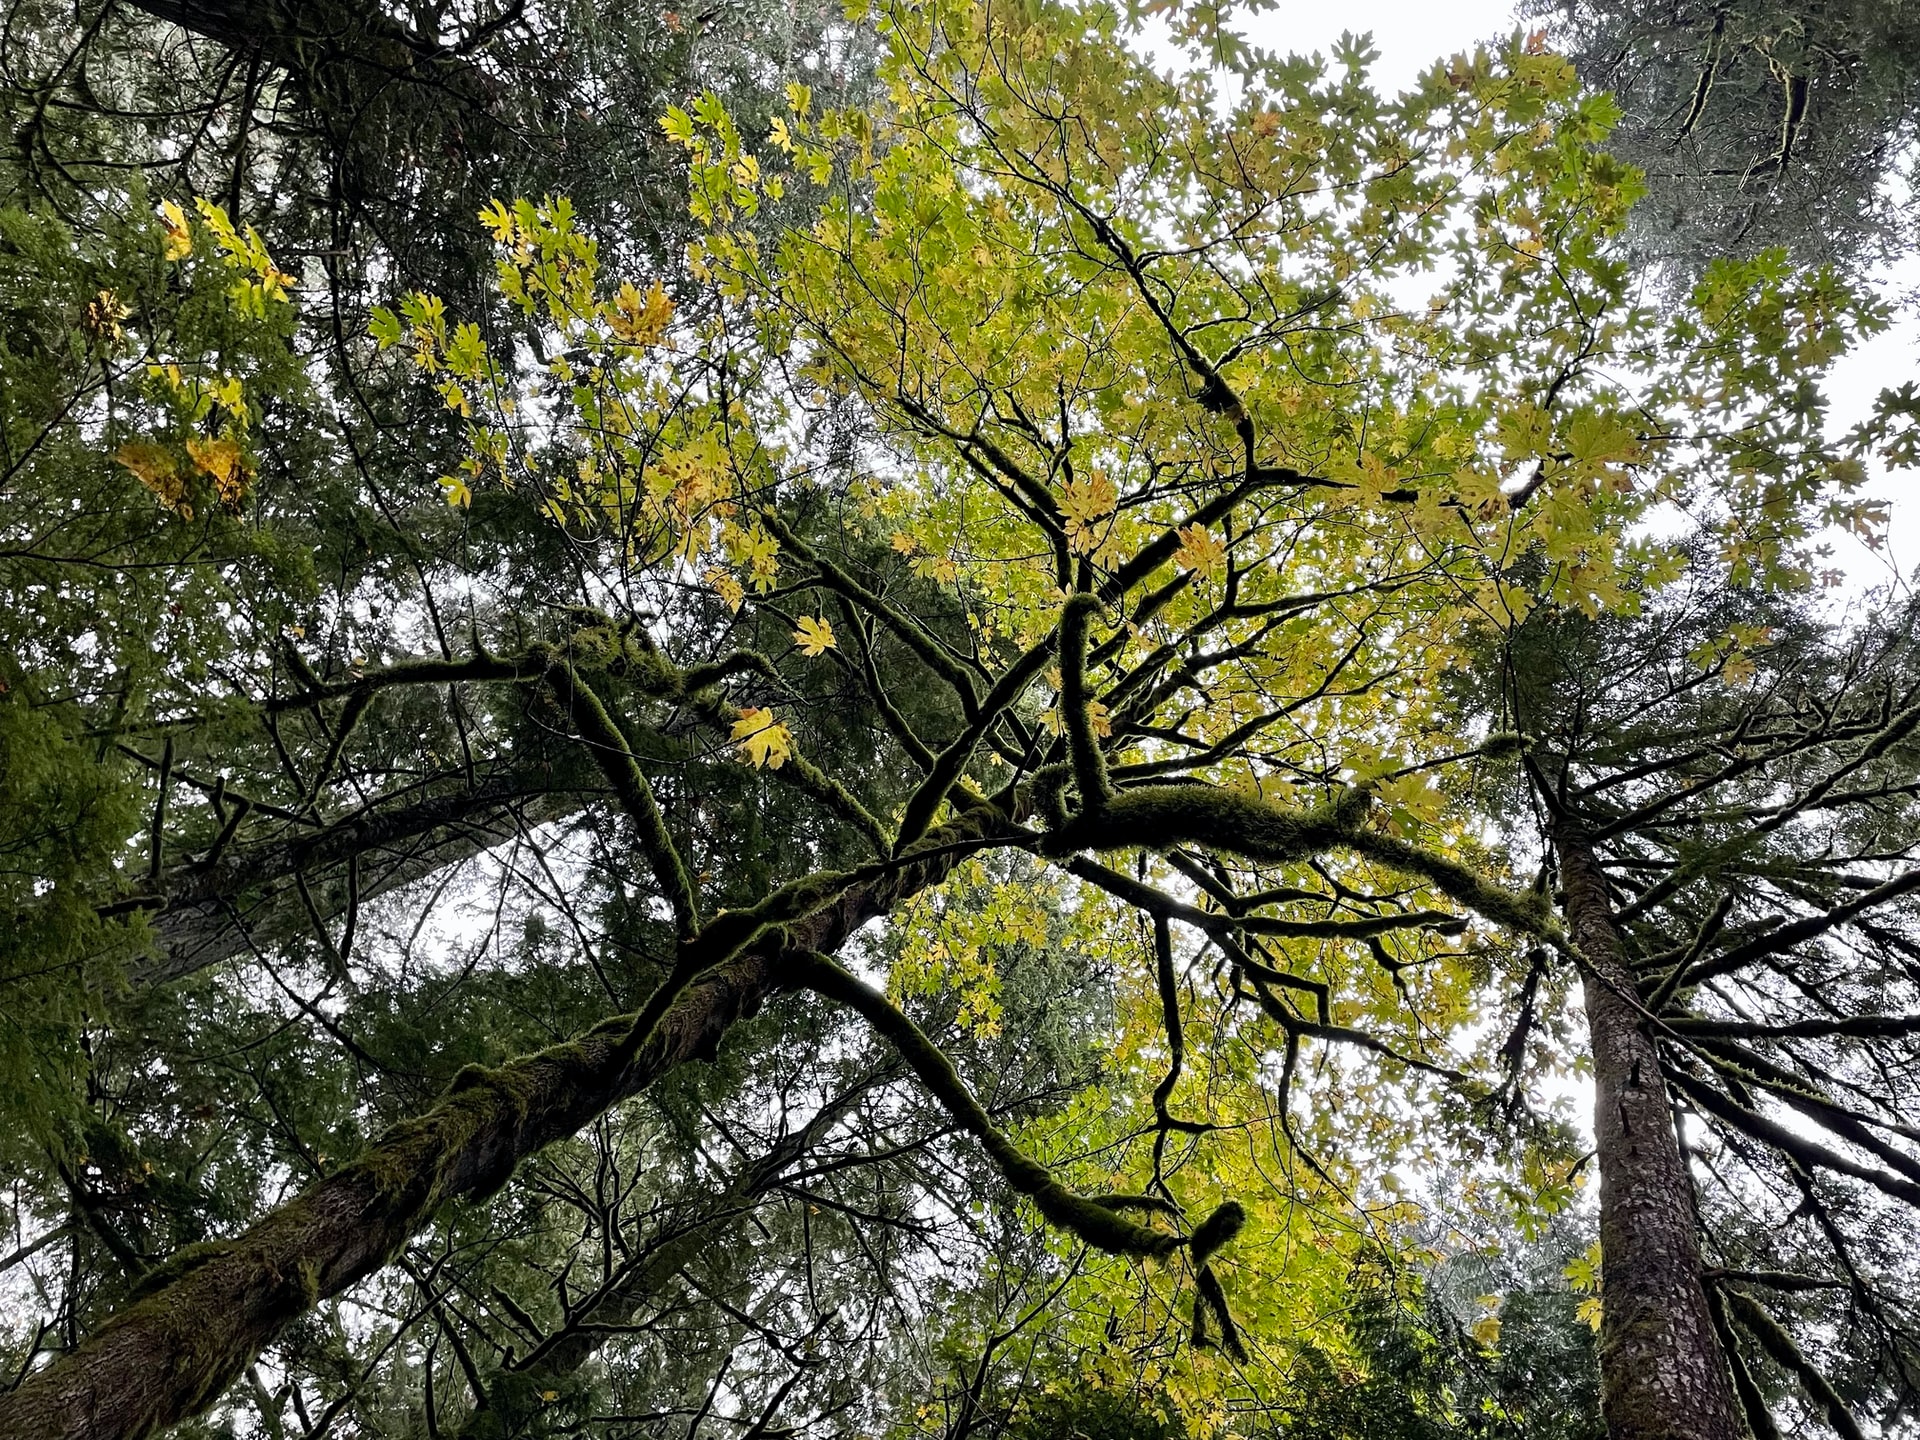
{"x":1229,"y":822}
{"x":616,"y":760}
{"x":1096,"y":1220}
{"x":1527,"y":911}
{"x":908,"y":630}
{"x":948,"y":765}
{"x":1098,"y":1224}
{"x":1076,"y":716}
{"x":1757,"y":1321}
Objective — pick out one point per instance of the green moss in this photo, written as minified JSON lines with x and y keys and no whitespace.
{"x":1231,"y":822}
{"x":187,"y":1258}
{"x":1505,"y":745}
{"x":1529,"y":911}
{"x":1217,"y":1230}
{"x":1089,"y":765}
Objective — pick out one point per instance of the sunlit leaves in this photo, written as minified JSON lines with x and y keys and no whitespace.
{"x":178,"y":235}
{"x":1086,"y":503}
{"x":641,"y":450}
{"x":199,"y":450}
{"x":222,"y":461}
{"x":153,"y":465}
{"x":1199,"y":550}
{"x":640,"y":319}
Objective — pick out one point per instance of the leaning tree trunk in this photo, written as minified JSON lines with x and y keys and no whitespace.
{"x":250,"y":898}
{"x":1662,"y":1374}
{"x":211,"y":1309}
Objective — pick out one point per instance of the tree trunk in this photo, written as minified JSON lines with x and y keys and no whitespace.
{"x":249,"y":897}
{"x":211,"y":1309}
{"x":1662,"y":1374}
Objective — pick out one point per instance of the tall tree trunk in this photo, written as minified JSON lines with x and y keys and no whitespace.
{"x":1662,"y":1374}
{"x":249,"y":898}
{"x":211,"y":1309}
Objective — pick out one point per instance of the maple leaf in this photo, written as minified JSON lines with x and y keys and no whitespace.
{"x":640,"y":319}
{"x":814,"y":635}
{"x":1199,"y":550}
{"x":499,"y":219}
{"x":459,"y":493}
{"x":179,"y":235}
{"x":941,"y":569}
{"x":1085,"y":503}
{"x":103,"y":316}
{"x":153,"y":465}
{"x":730,"y":589}
{"x":762,"y":739}
{"x":220,"y":459}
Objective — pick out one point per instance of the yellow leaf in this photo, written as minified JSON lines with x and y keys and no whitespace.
{"x":221,"y":460}
{"x":640,"y":319}
{"x":147,"y":460}
{"x":814,"y":635}
{"x":1487,"y":1331}
{"x":904,"y":542}
{"x":103,"y":316}
{"x":173,"y":220}
{"x":1085,"y":503}
{"x":459,"y":493}
{"x":1199,"y":550}
{"x":497,"y":218}
{"x":731,"y":590}
{"x":763,"y":740}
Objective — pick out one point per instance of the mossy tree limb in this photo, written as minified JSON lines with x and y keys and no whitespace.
{"x":616,"y":761}
{"x":1095,"y":1220}
{"x":1076,"y":718}
{"x":1756,"y":1320}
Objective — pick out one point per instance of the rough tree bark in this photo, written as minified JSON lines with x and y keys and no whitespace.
{"x":1662,"y":1374}
{"x":210,"y":1310}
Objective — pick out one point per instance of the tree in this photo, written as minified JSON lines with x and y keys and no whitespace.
{"x":1757,"y":124}
{"x":1072,"y":494}
{"x":1727,"y":786}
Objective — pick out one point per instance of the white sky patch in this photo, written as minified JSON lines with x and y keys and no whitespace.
{"x":1409,"y":37}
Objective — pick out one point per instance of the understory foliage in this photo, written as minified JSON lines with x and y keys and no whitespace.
{"x":920,"y":819}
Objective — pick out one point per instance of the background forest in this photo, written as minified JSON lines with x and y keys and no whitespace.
{"x":954,"y":719}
